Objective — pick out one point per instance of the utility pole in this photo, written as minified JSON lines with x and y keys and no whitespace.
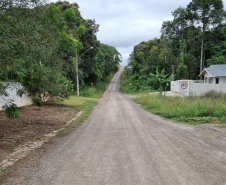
{"x":77,"y":58}
{"x":77,"y":71}
{"x":173,"y":71}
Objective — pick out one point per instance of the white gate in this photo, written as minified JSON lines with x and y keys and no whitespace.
{"x":175,"y":87}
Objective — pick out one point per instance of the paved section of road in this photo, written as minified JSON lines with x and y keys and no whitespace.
{"x":121,"y":144}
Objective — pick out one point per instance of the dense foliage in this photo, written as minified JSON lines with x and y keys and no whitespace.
{"x":38,"y":46}
{"x":194,"y":39}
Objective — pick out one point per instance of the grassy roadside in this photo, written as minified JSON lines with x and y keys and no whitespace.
{"x":195,"y":111}
{"x":80,"y":104}
{"x":96,"y":91}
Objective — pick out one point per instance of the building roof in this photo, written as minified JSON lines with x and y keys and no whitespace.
{"x":215,"y":70}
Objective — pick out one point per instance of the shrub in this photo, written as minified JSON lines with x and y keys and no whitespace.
{"x":11,"y":110}
{"x":89,"y":92}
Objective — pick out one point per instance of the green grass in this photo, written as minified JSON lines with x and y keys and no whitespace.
{"x":40,"y":136}
{"x":66,"y":131}
{"x":196,"y":110}
{"x":96,"y":90}
{"x":82,"y":104}
{"x":87,"y":108}
{"x":74,"y":100}
{"x":2,"y":173}
{"x":221,"y":126}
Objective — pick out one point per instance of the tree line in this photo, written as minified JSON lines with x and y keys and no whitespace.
{"x":194,"y":39}
{"x":38,"y":45}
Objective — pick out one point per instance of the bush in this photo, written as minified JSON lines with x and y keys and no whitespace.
{"x":11,"y":110}
{"x":135,"y":83}
{"x":96,"y":90}
{"x":91,"y":91}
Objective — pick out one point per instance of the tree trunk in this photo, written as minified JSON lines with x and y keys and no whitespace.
{"x":186,"y":48}
{"x":204,"y":59}
{"x":202,"y":47}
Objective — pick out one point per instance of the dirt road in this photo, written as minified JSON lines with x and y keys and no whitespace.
{"x":121,"y":144}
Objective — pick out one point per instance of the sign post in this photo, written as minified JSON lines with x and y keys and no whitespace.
{"x":184,"y":86}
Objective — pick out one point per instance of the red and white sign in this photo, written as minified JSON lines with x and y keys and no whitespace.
{"x":184,"y":85}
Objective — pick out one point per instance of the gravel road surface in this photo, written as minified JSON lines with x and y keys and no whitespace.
{"x":121,"y":144}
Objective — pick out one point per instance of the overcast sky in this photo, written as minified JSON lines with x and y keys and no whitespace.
{"x":125,"y":23}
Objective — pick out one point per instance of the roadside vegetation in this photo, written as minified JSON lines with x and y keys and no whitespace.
{"x":136,"y":84}
{"x":96,"y":90}
{"x":195,"y":38}
{"x":2,"y":173}
{"x":39,"y":45}
{"x":85,"y":105}
{"x":210,"y":108}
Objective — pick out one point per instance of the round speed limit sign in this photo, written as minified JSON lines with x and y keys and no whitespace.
{"x":184,"y":85}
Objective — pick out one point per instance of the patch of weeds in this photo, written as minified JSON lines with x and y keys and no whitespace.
{"x":66,"y":109}
{"x":221,"y":126}
{"x":178,"y":120}
{"x":23,"y":162}
{"x":66,"y":131}
{"x":75,"y":109}
{"x":87,"y":109}
{"x":195,"y":110}
{"x":40,"y":136}
{"x":198,"y":119}
{"x":79,"y":123}
{"x":82,"y":118}
{"x":88,"y":105}
{"x":3,"y":173}
{"x":165,"y":114}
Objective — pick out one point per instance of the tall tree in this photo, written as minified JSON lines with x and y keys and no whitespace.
{"x":208,"y":13}
{"x":216,"y":45}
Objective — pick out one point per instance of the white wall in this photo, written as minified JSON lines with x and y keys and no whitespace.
{"x":11,"y":90}
{"x":198,"y":89}
{"x":175,"y":86}
{"x":207,"y":75}
{"x":222,"y":80}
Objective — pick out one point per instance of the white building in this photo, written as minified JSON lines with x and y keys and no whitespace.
{"x":214,"y":79}
{"x":215,"y":74}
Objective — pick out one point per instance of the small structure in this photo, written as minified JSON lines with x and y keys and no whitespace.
{"x":192,"y":88}
{"x":177,"y":87}
{"x":214,"y":80}
{"x":12,"y":92}
{"x":215,"y":74}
